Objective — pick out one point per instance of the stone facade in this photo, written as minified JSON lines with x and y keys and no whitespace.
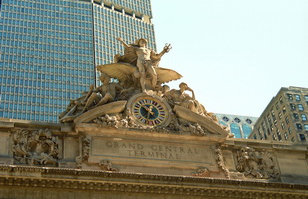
{"x":285,"y":118}
{"x":93,"y":161}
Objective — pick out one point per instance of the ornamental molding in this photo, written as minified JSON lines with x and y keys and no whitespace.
{"x":136,"y":187}
{"x":59,"y":174}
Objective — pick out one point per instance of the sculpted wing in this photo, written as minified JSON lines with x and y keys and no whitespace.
{"x":123,"y":72}
{"x":120,"y":71}
{"x":165,"y":75}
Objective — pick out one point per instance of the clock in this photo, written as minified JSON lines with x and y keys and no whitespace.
{"x":149,"y":110}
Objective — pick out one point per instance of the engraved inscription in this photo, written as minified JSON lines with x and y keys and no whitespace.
{"x":151,"y":150}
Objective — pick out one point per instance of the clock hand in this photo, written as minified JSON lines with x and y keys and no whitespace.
{"x":148,"y":115}
{"x":150,"y":110}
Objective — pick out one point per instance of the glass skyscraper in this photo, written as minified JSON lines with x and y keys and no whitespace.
{"x":49,"y":50}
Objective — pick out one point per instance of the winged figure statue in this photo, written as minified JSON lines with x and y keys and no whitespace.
{"x":139,"y":66}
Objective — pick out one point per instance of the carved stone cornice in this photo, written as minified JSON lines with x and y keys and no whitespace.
{"x":146,"y":183}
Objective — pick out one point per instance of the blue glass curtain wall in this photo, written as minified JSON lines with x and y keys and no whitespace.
{"x":138,"y":6}
{"x":47,"y":56}
{"x":48,"y":47}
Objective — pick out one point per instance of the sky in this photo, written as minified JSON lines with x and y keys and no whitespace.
{"x":234,"y":54}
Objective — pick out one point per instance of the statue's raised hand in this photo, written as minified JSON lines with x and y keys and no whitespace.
{"x":167,"y":47}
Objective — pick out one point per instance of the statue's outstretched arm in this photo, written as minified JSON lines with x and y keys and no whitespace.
{"x":166,"y":49}
{"x":123,"y":42}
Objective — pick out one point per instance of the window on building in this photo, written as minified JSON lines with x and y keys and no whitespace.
{"x":293,"y":107}
{"x":235,"y":129}
{"x":285,"y":136}
{"x":274,"y":137}
{"x":284,"y":110}
{"x":277,"y":106}
{"x":269,"y":119}
{"x":290,"y":96}
{"x":246,"y":130}
{"x":292,"y":139}
{"x":282,"y":125}
{"x":299,"y":126}
{"x":306,"y":99}
{"x":237,"y":120}
{"x":279,"y":135}
{"x":287,"y":120}
{"x":306,"y":127}
{"x":280,"y":115}
{"x":302,"y":137}
{"x":248,"y":121}
{"x":298,"y":97}
{"x":295,"y":115}
{"x":272,"y":112}
{"x":289,"y":130}
{"x":226,"y":119}
{"x":280,"y":100}
{"x":300,"y":107}
{"x":304,"y":118}
{"x":275,"y":121}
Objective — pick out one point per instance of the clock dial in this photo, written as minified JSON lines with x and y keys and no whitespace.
{"x":150,"y":111}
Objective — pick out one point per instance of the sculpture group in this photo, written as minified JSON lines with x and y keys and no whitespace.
{"x":137,"y":72}
{"x":134,"y":97}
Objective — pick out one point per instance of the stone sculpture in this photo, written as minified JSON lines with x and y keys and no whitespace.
{"x":256,"y":164}
{"x":149,"y":103}
{"x":146,"y":60}
{"x":36,"y":147}
{"x":179,"y":97}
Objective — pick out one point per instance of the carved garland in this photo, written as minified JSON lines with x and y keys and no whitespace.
{"x":85,"y":150}
{"x":221,"y":163}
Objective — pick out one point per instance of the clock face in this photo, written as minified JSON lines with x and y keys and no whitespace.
{"x":150,"y":111}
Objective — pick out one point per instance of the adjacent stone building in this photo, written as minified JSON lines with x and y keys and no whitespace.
{"x":285,"y":117}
